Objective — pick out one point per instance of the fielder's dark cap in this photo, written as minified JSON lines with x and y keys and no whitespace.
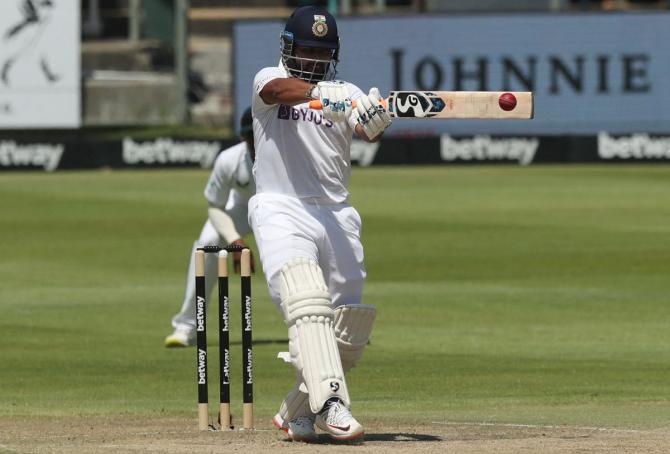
{"x":313,"y":26}
{"x":246,"y":122}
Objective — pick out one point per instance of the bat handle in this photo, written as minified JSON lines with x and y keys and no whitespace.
{"x":316,"y":104}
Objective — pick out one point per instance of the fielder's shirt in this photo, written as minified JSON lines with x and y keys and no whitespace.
{"x":230,"y":185}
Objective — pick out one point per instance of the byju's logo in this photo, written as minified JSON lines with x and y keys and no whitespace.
{"x":291,"y":113}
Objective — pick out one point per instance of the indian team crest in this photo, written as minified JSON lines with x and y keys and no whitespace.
{"x":319,"y":28}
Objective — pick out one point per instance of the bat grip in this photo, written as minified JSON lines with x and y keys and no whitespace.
{"x":316,"y":104}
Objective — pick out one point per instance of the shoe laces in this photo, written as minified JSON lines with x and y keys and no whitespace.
{"x":337,"y":414}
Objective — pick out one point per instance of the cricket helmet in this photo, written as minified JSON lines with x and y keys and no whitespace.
{"x":310,"y":26}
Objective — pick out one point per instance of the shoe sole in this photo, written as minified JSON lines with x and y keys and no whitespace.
{"x":347,"y":437}
{"x":291,"y":435}
{"x":279,"y":425}
{"x":175,"y":345}
{"x":351,"y":437}
{"x":313,"y":439}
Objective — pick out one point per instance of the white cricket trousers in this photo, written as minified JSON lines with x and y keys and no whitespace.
{"x":287,"y":227}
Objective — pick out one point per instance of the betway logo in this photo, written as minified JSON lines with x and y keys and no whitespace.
{"x":225,"y":378}
{"x":202,"y":367}
{"x":200,"y":313}
{"x":636,"y":146}
{"x":485,"y":148}
{"x":250,"y":368}
{"x":225,"y":318}
{"x":168,"y":151}
{"x":42,"y":155}
{"x":247,"y":313}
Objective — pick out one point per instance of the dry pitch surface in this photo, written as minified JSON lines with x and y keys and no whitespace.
{"x":120,"y":435}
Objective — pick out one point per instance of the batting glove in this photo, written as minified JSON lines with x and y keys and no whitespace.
{"x":335,"y":100}
{"x":237,"y":258}
{"x":371,"y":114}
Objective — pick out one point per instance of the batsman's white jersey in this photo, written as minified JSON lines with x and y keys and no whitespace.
{"x":302,"y":155}
{"x":230,"y":186}
{"x":301,"y":208}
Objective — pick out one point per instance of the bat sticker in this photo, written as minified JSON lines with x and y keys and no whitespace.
{"x":418,"y":104}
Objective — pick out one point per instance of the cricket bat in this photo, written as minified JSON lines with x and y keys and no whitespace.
{"x":456,"y":104}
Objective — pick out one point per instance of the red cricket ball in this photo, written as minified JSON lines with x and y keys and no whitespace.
{"x":507,"y":101}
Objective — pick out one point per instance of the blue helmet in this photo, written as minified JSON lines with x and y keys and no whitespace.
{"x":310,"y":26}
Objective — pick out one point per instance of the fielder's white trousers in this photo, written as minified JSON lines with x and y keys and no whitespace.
{"x":287,"y":227}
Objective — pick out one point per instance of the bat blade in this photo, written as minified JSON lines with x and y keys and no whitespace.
{"x":454,"y":104}
{"x":458,"y":104}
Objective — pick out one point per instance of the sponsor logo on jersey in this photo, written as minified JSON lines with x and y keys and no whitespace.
{"x":302,"y":114}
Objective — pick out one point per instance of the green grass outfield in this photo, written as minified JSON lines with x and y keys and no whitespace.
{"x":534,"y":295}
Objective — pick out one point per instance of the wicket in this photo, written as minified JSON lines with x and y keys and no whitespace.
{"x":224,"y":337}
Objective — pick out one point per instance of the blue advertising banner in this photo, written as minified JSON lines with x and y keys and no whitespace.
{"x":589,"y":72}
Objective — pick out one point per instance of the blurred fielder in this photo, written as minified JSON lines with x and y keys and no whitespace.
{"x":307,"y":233}
{"x":228,"y":190}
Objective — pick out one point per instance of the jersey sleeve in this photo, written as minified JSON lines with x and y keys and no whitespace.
{"x":218,"y":187}
{"x":261,"y":79}
{"x":354,"y":94}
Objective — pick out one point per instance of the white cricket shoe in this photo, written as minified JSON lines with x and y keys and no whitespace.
{"x":182,"y":337}
{"x":298,"y":429}
{"x":338,"y":422}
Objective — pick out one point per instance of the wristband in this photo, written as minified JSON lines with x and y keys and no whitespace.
{"x":312,"y":92}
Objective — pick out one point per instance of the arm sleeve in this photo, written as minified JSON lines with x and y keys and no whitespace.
{"x":261,"y":79}
{"x":223,"y":224}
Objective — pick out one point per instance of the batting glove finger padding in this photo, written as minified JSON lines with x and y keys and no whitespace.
{"x":335,"y":100}
{"x":371,"y":114}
